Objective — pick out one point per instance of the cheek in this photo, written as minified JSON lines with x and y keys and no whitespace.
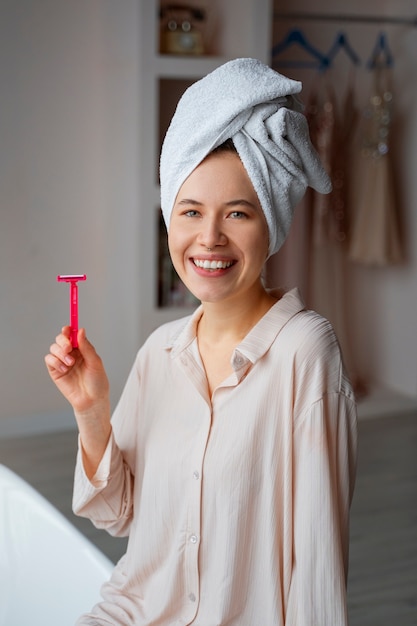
{"x":171,"y":238}
{"x":176,"y":246}
{"x":180,"y":235}
{"x":172,"y":247}
{"x":260,"y":245}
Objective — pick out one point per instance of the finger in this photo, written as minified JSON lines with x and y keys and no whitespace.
{"x":62,"y":353}
{"x":54,"y":364}
{"x":64,"y":341}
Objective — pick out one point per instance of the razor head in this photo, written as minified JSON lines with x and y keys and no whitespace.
{"x":70,"y":278}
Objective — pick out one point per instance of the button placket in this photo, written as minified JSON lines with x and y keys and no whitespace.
{"x":193,"y":537}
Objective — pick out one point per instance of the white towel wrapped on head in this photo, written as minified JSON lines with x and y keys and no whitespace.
{"x":248,"y":102}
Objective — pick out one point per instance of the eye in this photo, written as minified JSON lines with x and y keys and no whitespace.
{"x":191,"y":213}
{"x":237,"y":215}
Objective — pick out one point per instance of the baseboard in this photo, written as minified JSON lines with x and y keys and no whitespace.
{"x":28,"y":425}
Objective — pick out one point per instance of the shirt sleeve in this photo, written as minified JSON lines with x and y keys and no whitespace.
{"x":106,"y":499}
{"x":325,"y":443}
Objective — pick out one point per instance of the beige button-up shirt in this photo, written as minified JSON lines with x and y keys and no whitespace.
{"x":236,"y":506}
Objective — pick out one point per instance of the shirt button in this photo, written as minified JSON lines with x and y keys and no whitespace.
{"x":193,"y":538}
{"x":196,"y":475}
{"x":192,"y":597}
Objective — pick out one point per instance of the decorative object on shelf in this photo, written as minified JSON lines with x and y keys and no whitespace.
{"x":181,"y":29}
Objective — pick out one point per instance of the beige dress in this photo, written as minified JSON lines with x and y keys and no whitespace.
{"x":331,"y":126}
{"x":375,"y":238}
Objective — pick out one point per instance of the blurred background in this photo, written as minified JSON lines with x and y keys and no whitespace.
{"x":87,"y":91}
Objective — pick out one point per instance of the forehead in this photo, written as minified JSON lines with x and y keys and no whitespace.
{"x":219,"y":173}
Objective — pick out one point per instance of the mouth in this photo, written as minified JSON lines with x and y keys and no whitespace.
{"x":212,"y":265}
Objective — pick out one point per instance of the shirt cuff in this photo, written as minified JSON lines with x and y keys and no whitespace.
{"x":101,"y":477}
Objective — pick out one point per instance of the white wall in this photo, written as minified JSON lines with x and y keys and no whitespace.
{"x":382,"y":302}
{"x":69,"y":197}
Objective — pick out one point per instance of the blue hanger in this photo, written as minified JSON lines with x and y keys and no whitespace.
{"x":297,"y":37}
{"x":381,"y":55}
{"x":341,"y":42}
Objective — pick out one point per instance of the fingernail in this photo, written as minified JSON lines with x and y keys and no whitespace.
{"x":69,"y":360}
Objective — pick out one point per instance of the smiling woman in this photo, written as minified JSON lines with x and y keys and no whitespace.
{"x":230,"y":459}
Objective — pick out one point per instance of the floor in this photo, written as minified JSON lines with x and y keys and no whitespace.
{"x":383,"y":554}
{"x":383,"y":548}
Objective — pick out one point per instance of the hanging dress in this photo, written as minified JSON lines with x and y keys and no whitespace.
{"x":331,"y":129}
{"x":375,"y":238}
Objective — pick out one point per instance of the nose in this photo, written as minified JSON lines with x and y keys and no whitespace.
{"x":211,"y":233}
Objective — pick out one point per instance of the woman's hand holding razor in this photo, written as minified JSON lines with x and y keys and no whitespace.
{"x":80,"y":376}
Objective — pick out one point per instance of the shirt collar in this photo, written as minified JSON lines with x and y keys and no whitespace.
{"x":259,"y":339}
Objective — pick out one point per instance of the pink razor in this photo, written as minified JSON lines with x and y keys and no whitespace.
{"x":72,"y":279}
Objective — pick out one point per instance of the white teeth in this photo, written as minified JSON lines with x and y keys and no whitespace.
{"x":212,"y":265}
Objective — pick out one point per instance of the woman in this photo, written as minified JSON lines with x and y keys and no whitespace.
{"x":230,"y":459}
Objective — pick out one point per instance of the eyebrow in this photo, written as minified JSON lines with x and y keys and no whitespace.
{"x":190,"y":201}
{"x":231,"y":203}
{"x":241,"y":201}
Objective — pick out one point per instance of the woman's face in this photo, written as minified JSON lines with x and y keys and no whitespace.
{"x":217,"y":208}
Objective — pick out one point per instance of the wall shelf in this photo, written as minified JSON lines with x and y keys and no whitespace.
{"x":186,"y":67}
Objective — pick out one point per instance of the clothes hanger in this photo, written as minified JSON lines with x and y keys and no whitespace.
{"x":341,"y":43}
{"x":297,"y":37}
{"x":381,"y":56}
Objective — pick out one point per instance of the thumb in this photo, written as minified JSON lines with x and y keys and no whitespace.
{"x":86,"y":348}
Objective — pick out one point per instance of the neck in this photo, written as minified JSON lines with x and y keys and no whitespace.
{"x":231,"y":321}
